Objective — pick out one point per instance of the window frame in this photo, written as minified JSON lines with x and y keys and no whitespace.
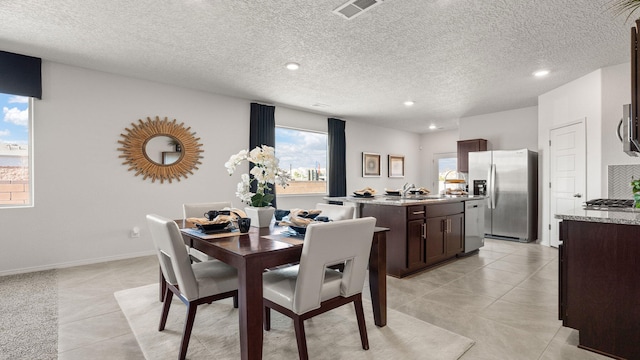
{"x":326,"y":181}
{"x":30,"y":162}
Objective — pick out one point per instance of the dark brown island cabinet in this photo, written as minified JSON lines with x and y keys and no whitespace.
{"x":420,"y":235}
{"x":600,"y":286}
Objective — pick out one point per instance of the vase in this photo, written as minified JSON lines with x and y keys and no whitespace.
{"x":260,"y":216}
{"x":636,"y":200}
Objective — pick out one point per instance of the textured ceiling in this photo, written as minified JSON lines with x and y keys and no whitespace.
{"x":454,"y":58}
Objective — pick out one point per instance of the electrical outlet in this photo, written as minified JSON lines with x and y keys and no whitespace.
{"x":135,"y":232}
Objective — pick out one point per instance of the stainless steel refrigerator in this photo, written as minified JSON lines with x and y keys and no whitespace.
{"x":509,"y":179}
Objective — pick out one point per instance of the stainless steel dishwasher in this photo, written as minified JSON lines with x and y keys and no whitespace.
{"x":473,"y":225}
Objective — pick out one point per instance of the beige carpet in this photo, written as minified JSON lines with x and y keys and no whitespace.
{"x":29,"y":316}
{"x":333,"y":335}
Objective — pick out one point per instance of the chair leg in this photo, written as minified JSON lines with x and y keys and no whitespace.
{"x":301,"y":338}
{"x":267,"y":319}
{"x":168,"y":295}
{"x":163,"y":285}
{"x":361,"y":324}
{"x":188,"y":326}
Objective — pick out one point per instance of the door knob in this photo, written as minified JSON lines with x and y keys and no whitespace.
{"x":578,"y":195}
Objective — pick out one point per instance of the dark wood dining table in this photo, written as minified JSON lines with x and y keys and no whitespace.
{"x":264,"y":248}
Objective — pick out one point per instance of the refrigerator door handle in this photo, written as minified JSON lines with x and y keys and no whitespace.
{"x":493,"y":187}
{"x":488,"y":189}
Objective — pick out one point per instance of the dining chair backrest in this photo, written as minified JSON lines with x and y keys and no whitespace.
{"x":172,"y":255}
{"x":198,"y":210}
{"x":336,"y":212}
{"x":327,"y":244}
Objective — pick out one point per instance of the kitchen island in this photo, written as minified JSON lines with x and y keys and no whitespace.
{"x":425,"y":230}
{"x":599,"y":283}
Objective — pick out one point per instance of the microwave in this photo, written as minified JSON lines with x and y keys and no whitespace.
{"x":628,"y":131}
{"x":628,"y":127}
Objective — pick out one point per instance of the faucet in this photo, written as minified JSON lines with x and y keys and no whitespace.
{"x":406,"y":188}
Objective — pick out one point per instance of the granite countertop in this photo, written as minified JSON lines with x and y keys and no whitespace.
{"x":627,"y":217}
{"x":406,"y":201}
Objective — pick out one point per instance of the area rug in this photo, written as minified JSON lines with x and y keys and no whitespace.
{"x":29,"y":316}
{"x":332,"y":335}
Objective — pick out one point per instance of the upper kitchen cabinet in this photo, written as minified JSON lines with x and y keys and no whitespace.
{"x":464,"y":148}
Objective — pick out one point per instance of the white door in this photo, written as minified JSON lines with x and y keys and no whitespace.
{"x":442,"y":163}
{"x":567,"y":154}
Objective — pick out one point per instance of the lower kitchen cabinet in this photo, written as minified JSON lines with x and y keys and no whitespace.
{"x":436,"y":242}
{"x":455,"y":235}
{"x":420,"y":235}
{"x":599,"y":291}
{"x":416,"y":244}
{"x":445,"y":237}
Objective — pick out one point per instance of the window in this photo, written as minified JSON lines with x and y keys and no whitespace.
{"x":304,"y":155}
{"x":443,"y":164}
{"x":15,"y":151}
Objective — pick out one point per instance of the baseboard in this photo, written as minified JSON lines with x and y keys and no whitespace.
{"x":75,"y":263}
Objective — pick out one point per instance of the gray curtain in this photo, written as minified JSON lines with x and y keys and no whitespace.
{"x":337,"y":158}
{"x":262,"y":131}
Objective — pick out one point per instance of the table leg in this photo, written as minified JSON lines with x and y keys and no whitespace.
{"x":250,"y":309}
{"x":378,"y":277}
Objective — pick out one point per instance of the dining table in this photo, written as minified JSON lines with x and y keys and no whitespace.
{"x":263,"y":248}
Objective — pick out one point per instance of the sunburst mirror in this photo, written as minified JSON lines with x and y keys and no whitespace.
{"x":160,"y":149}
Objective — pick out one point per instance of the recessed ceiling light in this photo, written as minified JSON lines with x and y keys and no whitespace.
{"x":541,"y":73}
{"x":408,"y":103}
{"x":432,"y":127}
{"x":293,"y":66}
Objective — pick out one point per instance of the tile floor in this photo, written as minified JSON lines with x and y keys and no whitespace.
{"x":504,"y":298}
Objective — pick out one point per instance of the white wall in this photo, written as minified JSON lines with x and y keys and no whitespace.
{"x":616,"y":91}
{"x":505,"y":130}
{"x":579,"y":99}
{"x":373,"y":139}
{"x":86,"y":202}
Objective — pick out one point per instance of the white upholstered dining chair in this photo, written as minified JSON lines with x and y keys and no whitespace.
{"x":336,"y":212}
{"x":312,"y":288}
{"x":198,"y":210}
{"x":193,"y":284}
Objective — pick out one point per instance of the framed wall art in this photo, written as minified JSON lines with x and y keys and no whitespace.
{"x":396,"y":166}
{"x":370,"y":164}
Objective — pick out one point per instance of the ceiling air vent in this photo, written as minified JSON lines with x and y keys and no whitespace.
{"x":353,"y":8}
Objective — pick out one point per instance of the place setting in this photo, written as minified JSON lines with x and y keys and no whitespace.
{"x":297,"y":221}
{"x":219,"y":223}
{"x":366,"y":192}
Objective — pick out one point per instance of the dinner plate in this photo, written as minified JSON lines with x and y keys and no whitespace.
{"x":208,"y":228}
{"x":365,"y":195}
{"x":396,"y":193}
{"x":299,"y":230}
{"x":306,"y":215}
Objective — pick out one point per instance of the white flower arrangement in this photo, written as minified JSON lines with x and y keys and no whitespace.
{"x":265,"y":173}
